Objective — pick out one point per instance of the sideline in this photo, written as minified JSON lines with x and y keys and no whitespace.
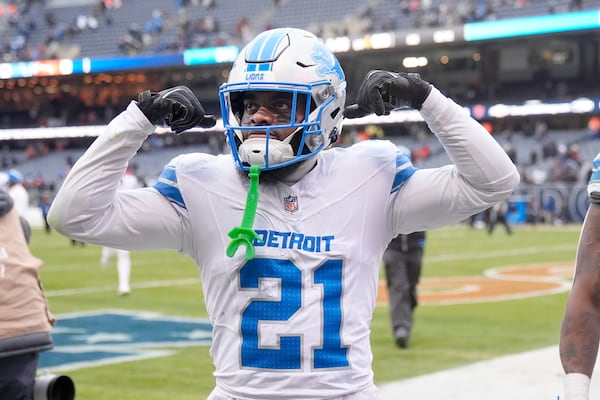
{"x":533,"y":375}
{"x":111,"y":288}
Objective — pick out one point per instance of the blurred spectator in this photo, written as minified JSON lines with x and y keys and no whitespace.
{"x":566,"y":166}
{"x":44,"y":205}
{"x":156,"y":23}
{"x":497,"y":214}
{"x":17,"y":191}
{"x":550,"y":211}
{"x":511,"y":151}
{"x":594,"y":127}
{"x":549,"y":148}
{"x":371,"y":132}
{"x":535,"y":174}
{"x":113,"y":4}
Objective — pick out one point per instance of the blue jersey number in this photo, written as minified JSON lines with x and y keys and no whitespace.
{"x":288,"y":354}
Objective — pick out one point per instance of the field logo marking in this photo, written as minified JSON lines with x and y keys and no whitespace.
{"x":496,"y":284}
{"x":112,"y":336}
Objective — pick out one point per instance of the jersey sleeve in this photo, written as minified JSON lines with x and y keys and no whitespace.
{"x":481,"y":173}
{"x":90,"y":207}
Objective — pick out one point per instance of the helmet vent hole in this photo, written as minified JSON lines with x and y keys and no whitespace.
{"x":335,"y":112}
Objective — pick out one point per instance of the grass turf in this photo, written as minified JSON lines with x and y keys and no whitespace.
{"x":444,"y":336}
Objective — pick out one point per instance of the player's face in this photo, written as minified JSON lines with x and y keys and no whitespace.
{"x":269,"y":108}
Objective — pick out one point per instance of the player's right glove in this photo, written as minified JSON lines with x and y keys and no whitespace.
{"x":382,"y":91}
{"x":177,"y":107}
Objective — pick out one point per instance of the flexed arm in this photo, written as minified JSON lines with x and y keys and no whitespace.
{"x":88,"y":206}
{"x":481,"y":175}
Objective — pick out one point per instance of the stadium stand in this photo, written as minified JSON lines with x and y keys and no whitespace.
{"x":45,"y":29}
{"x":56,"y":29}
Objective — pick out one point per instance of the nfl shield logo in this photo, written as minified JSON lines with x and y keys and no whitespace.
{"x":290,"y":203}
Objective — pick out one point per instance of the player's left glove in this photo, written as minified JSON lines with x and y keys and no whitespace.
{"x":382,"y":91}
{"x":177,"y":107}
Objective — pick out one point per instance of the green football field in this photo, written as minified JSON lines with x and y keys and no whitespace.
{"x":444,"y":336}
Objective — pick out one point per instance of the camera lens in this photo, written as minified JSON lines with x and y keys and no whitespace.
{"x":54,"y":387}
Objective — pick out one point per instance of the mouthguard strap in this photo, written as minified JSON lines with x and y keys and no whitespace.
{"x":244,"y":234}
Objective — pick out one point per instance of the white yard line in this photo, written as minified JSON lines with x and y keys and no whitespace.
{"x":111,"y":288}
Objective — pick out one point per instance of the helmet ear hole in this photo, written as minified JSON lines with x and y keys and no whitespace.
{"x":335,"y":112}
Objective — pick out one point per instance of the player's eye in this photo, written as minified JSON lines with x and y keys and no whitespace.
{"x":282,"y":106}
{"x":250,"y":107}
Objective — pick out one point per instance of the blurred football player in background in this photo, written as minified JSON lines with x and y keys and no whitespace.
{"x":18,"y":192}
{"x":129,"y":181}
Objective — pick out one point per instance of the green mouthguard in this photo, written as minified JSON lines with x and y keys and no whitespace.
{"x":245,"y":235}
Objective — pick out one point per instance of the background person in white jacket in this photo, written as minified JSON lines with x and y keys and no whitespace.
{"x":291,"y":292}
{"x":18,"y":192}
{"x":129,"y":181}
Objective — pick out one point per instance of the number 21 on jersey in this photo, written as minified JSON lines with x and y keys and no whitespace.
{"x":288,"y":356}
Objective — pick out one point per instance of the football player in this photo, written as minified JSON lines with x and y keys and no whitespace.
{"x":580,"y":332}
{"x":290,"y":291}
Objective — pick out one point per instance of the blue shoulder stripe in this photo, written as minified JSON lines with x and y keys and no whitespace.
{"x":167,"y":186}
{"x":404,"y":170}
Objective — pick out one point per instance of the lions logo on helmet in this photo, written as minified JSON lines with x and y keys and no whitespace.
{"x":296,"y":62}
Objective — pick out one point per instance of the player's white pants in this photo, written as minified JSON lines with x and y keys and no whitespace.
{"x":369,"y":394}
{"x":123,"y":266}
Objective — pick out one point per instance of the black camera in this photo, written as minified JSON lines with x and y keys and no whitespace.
{"x":53,"y":387}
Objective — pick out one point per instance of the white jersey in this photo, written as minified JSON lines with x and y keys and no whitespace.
{"x":20,"y":197}
{"x":295,"y":319}
{"x":129,"y":181}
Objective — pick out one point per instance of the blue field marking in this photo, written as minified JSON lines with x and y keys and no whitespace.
{"x":113,"y":336}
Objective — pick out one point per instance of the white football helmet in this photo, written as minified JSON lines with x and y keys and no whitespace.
{"x":292,"y":61}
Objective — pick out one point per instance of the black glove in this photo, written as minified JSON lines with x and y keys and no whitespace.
{"x":177,"y":107}
{"x":382,"y":91}
{"x":6,"y":202}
